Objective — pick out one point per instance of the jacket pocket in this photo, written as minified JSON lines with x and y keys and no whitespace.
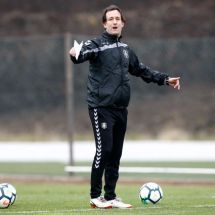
{"x":122,"y":96}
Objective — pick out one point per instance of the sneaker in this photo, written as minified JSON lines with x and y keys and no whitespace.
{"x":100,"y":202}
{"x":117,"y":203}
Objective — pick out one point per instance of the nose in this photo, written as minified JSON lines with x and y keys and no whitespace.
{"x":114,"y":21}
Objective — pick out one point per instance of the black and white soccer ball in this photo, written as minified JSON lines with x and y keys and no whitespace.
{"x":12,"y":189}
{"x":5,"y":197}
{"x":150,"y":193}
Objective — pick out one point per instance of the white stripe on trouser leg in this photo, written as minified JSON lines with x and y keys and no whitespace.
{"x":98,"y":139}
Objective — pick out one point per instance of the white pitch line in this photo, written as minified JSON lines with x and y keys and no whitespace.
{"x":24,"y":212}
{"x":97,"y":209}
{"x":204,"y":206}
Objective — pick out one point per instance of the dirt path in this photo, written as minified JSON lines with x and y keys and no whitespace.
{"x":85,"y":180}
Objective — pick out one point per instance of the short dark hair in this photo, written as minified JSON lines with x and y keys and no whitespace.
{"x":110,"y":8}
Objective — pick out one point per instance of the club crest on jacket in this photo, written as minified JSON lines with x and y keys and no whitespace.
{"x":104,"y":125}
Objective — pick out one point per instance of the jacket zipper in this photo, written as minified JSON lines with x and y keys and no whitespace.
{"x":117,"y":44}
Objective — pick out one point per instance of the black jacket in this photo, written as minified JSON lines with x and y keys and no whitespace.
{"x":110,"y":62}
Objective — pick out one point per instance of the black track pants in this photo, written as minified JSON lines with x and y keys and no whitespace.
{"x":109,"y":126}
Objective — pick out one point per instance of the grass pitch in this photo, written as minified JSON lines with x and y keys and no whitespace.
{"x":72,"y":197}
{"x":51,"y":199}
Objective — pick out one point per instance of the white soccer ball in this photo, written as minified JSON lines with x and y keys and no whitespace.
{"x":5,"y":197}
{"x":150,"y":193}
{"x":12,"y":189}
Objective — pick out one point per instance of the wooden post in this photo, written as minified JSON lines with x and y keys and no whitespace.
{"x":69,"y":94}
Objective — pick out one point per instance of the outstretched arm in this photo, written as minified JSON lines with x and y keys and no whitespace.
{"x":148,"y":75}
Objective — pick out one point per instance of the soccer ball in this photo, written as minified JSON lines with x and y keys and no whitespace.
{"x":12,"y":189}
{"x":150,"y":193}
{"x":5,"y":197}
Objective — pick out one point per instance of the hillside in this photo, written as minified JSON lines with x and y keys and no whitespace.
{"x":145,"y":19}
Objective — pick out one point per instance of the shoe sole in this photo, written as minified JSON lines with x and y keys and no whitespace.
{"x":123,"y":207}
{"x":94,"y":206}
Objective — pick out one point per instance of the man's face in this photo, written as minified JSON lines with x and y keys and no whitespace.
{"x":114,"y":23}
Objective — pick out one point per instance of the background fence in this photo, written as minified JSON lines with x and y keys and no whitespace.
{"x":33,"y":89}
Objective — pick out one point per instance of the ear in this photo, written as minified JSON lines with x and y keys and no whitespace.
{"x":105,"y":25}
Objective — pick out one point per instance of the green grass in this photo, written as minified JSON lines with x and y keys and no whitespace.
{"x":32,"y":168}
{"x":71,"y":198}
{"x":56,"y":198}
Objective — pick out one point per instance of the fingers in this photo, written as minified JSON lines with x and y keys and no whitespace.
{"x":174,"y":79}
{"x":177,"y":85}
{"x":72,"y":52}
{"x":174,"y":82}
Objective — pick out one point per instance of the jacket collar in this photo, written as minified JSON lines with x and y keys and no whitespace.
{"x":111,"y":37}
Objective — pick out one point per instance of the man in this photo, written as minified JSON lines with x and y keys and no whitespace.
{"x":108,"y":91}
